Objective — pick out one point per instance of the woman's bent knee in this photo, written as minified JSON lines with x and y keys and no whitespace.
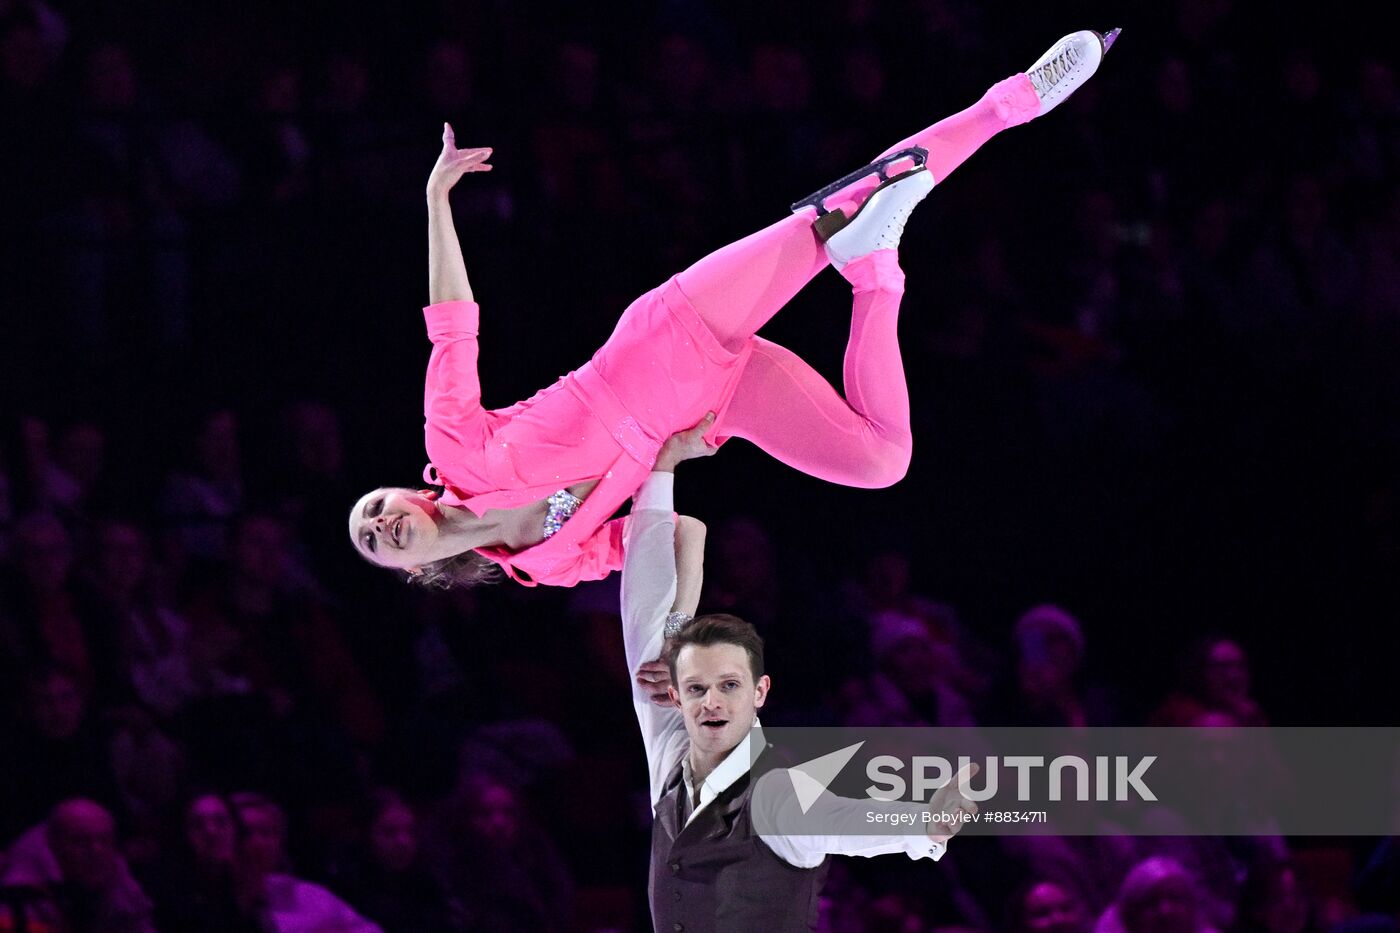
{"x":888,"y":464}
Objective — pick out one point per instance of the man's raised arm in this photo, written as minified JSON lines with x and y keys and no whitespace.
{"x":662,"y":568}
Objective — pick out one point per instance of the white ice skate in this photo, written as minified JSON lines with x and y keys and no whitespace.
{"x":1068,"y":64}
{"x":879,"y":222}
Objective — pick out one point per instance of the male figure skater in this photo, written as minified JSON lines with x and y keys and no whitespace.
{"x":711,"y":868}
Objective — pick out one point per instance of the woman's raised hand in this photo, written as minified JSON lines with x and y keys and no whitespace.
{"x":453,"y":163}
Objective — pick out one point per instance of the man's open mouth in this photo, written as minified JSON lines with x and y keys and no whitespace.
{"x":714,"y":723}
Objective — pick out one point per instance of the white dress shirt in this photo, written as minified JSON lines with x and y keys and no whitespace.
{"x":648,"y":593}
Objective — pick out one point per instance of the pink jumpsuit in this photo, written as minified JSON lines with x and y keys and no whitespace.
{"x":685,"y":348}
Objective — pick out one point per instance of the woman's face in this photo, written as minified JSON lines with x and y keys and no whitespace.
{"x":396,"y":528}
{"x":394,"y":838}
{"x":210,"y":830}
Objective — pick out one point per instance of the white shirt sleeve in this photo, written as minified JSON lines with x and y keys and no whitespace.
{"x":648,"y":592}
{"x":841,"y":820}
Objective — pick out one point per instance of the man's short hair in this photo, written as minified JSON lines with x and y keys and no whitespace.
{"x":718,"y":628}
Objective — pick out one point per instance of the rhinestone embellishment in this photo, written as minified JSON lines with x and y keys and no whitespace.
{"x":562,"y":505}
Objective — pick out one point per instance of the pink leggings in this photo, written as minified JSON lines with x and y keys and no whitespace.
{"x":781,"y":403}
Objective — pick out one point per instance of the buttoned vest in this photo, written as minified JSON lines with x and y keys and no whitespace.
{"x":716,"y":874}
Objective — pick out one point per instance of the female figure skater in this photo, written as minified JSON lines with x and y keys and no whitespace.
{"x":531,"y":488}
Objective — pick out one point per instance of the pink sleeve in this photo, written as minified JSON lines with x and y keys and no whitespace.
{"x":600,"y":554}
{"x":452,"y":409}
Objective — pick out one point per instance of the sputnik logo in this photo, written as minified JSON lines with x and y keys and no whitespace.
{"x":811,"y":778}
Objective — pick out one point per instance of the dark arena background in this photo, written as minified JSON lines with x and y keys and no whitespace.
{"x":1151,"y":343}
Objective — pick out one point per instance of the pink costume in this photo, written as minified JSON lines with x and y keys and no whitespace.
{"x":685,"y":348}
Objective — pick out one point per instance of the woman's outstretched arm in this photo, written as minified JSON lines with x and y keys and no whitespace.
{"x":455,"y":425}
{"x":447,"y":273}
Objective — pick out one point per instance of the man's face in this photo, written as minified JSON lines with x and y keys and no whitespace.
{"x":83,"y":839}
{"x":716,"y":692}
{"x":262,"y":845}
{"x":210,"y":830}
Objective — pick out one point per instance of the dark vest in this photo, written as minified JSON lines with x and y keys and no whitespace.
{"x":718,"y":876}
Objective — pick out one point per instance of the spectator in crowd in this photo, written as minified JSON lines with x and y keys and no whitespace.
{"x":123,"y":596}
{"x":740,"y":570}
{"x":65,"y":472}
{"x":1274,"y":900}
{"x":886,"y":590}
{"x":1089,"y":867}
{"x":1157,"y":896}
{"x":1214,"y":678}
{"x":82,"y":881}
{"x":262,"y":635}
{"x":195,"y":885}
{"x":59,"y":752}
{"x":1049,"y":688}
{"x":497,"y":862}
{"x":1049,"y":906}
{"x":129,"y":184}
{"x":386,"y":880}
{"x":914,"y":680}
{"x":202,"y":498}
{"x":1303,"y":276}
{"x":280,"y":901}
{"x":311,"y":480}
{"x":41,"y":618}
{"x":1371,"y":136}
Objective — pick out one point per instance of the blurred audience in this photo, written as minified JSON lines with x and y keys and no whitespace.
{"x":1143,"y":360}
{"x":1214,"y":678}
{"x":1157,"y":896}
{"x":80,"y":880}
{"x":385,"y":879}
{"x":280,"y":901}
{"x":505,"y":869}
{"x":1049,"y":688}
{"x":196,"y":883}
{"x":59,"y":751}
{"x":1047,"y":906}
